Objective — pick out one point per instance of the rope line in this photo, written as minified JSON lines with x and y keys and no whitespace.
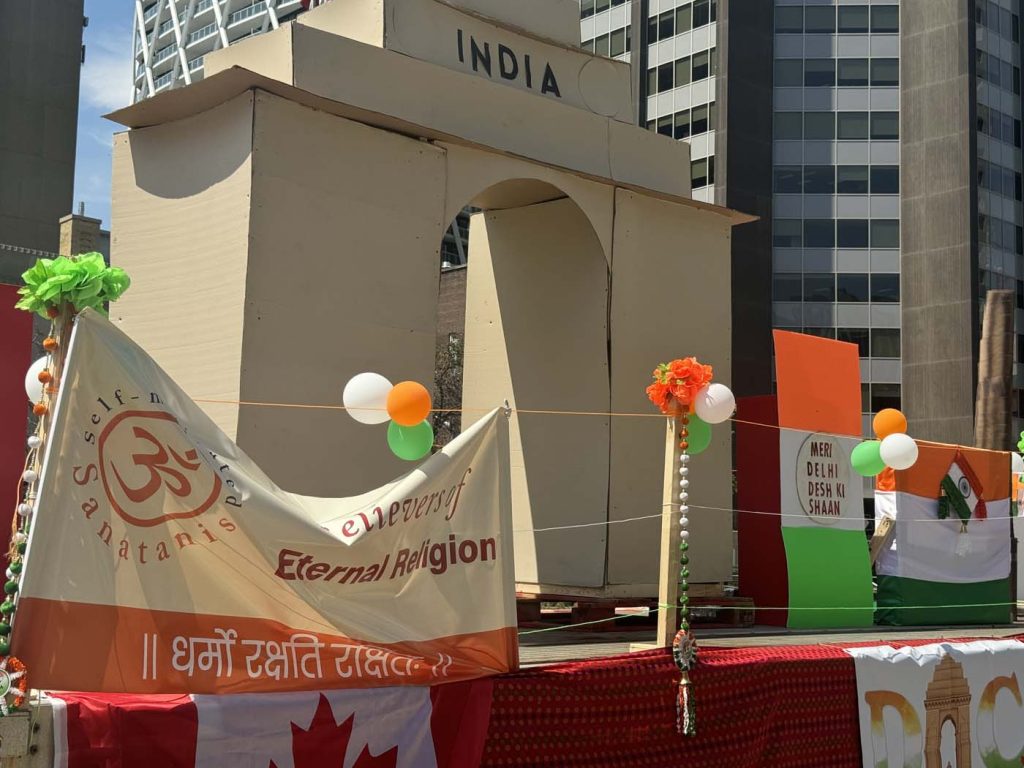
{"x":791,"y":609}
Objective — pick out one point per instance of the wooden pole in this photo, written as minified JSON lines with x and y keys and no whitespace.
{"x":668,"y":579}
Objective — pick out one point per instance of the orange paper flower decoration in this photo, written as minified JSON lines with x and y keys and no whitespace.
{"x":677,"y":383}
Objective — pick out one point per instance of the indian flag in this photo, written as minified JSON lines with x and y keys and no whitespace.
{"x":949,"y":561}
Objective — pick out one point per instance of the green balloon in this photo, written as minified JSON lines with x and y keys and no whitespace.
{"x":867,"y":459}
{"x":411,"y":443}
{"x":699,"y":435}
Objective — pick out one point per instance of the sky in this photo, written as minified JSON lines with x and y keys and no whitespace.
{"x":106,"y":86}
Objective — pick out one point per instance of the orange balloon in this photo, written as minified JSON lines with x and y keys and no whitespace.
{"x":889,"y":422}
{"x":408,"y":403}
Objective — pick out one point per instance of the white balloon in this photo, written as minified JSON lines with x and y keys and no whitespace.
{"x":898,"y":451}
{"x":715,"y":403}
{"x":33,"y":386}
{"x":1016,"y":463}
{"x":366,"y":398}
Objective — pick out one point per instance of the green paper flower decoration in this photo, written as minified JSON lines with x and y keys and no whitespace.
{"x":82,"y":281}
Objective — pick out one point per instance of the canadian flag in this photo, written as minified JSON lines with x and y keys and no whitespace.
{"x":408,"y":727}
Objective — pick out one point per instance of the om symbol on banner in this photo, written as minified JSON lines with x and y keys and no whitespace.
{"x":150,"y":473}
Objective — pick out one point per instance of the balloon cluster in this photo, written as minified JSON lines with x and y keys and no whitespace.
{"x":894,"y":448}
{"x":372,"y":399}
{"x":684,"y":387}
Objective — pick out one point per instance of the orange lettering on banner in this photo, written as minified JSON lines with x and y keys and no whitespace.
{"x":146,"y":651}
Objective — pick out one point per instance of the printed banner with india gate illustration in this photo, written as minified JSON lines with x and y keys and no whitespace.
{"x":161,"y":559}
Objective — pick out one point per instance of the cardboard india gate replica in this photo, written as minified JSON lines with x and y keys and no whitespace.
{"x":803,"y":550}
{"x":282,"y":219}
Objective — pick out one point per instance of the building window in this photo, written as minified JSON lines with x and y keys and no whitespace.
{"x":665,"y":125}
{"x":701,"y":65}
{"x":699,"y":176}
{"x":701,"y":13}
{"x":699,"y":121}
{"x":819,"y":179}
{"x":885,"y":125}
{"x":858,"y":336}
{"x":788,"y":179}
{"x":788,"y":125}
{"x":682,"y":124}
{"x":885,"y":233}
{"x":618,"y":42}
{"x":885,"y":18}
{"x":820,"y":19}
{"x":601,"y":6}
{"x":819,"y":125}
{"x":601,"y":45}
{"x":884,"y":396}
{"x":787,"y":288}
{"x":819,"y":233}
{"x":789,"y":73}
{"x":824,"y":333}
{"x":885,"y":342}
{"x":819,"y":72}
{"x":885,"y":71}
{"x":853,"y":19}
{"x":852,"y":72}
{"x":885,"y":180}
{"x":852,"y":233}
{"x":852,"y":179}
{"x":852,"y":125}
{"x":787,"y":233}
{"x":586,"y":9}
{"x":819,"y":287}
{"x":851,"y":288}
{"x":684,"y":19}
{"x":666,"y":25}
{"x":683,"y":67}
{"x":885,"y":288}
{"x":789,"y":20}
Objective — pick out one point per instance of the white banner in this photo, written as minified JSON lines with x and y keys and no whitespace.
{"x":818,"y":480}
{"x":193,"y":572}
{"x":947,"y":705}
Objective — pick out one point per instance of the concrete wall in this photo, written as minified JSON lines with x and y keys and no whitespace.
{"x":41,"y":45}
{"x":744,"y":163}
{"x":939,"y":211}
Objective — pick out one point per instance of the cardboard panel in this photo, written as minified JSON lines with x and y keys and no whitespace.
{"x":556,"y":19}
{"x":761,"y":553}
{"x":671,"y":298}
{"x":819,"y":384}
{"x":437,"y":33}
{"x":344,"y":252}
{"x":536,"y":333}
{"x":180,"y":217}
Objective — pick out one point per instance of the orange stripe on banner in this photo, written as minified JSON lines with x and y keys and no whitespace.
{"x":819,"y":384}
{"x":923,"y":479}
{"x":113,"y":649}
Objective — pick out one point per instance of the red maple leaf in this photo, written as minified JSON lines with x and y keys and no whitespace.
{"x":324,"y":743}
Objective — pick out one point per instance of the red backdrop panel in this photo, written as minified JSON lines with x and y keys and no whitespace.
{"x":762,"y":554}
{"x":15,"y":358}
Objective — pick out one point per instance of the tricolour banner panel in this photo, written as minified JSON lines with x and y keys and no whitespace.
{"x":949,"y":560}
{"x":947,"y":704}
{"x":822,"y":497}
{"x":161,"y":559}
